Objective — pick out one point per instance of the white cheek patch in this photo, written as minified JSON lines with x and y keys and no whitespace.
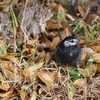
{"x":71,"y":54}
{"x":68,"y":43}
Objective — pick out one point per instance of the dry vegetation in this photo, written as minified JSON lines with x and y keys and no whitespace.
{"x":29,"y":33}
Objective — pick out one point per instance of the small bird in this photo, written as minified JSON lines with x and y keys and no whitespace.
{"x":68,"y":51}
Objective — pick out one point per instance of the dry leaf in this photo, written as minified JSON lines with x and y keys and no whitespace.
{"x":51,"y":35}
{"x":88,"y":50}
{"x":51,"y":4}
{"x":33,"y":67}
{"x":42,"y":59}
{"x":3,"y":48}
{"x":28,"y":52}
{"x":42,"y":91}
{"x":70,"y":95}
{"x":52,"y":24}
{"x":82,"y":42}
{"x":48,"y":78}
{"x":45,"y":43}
{"x":81,"y":11}
{"x":60,"y":12}
{"x":6,"y":94}
{"x":55,"y":42}
{"x":95,"y":47}
{"x":10,"y":58}
{"x":66,"y":31}
{"x":5,"y":2}
{"x":80,"y":82}
{"x":98,"y":38}
{"x":22,"y":94}
{"x":71,"y":12}
{"x":67,"y":28}
{"x":33,"y":43}
{"x":89,"y":18}
{"x":33,"y":96}
{"x":83,"y":55}
{"x":3,"y":83}
{"x":98,"y":68}
{"x":48,"y":57}
{"x":95,"y":58}
{"x":88,"y":71}
{"x":12,"y":72}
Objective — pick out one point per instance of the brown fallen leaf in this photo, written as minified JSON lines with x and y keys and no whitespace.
{"x":3,"y":48}
{"x":82,"y":42}
{"x":88,"y":71}
{"x":28,"y":52}
{"x":62,"y":35}
{"x":42,"y":91}
{"x":33,"y":67}
{"x":98,"y":38}
{"x":51,"y":4}
{"x":48,"y":78}
{"x":95,"y":58}
{"x":71,"y":12}
{"x":95,"y":47}
{"x":52,"y":24}
{"x":83,"y":55}
{"x":89,"y":18}
{"x":55,"y":42}
{"x":5,"y":2}
{"x":66,"y":31}
{"x":80,"y":82}
{"x":22,"y":94}
{"x":33,"y":43}
{"x":60,"y":12}
{"x":7,"y":94}
{"x":51,"y":35}
{"x":81,"y":11}
{"x":45,"y":43}
{"x":13,"y":72}
{"x":3,"y":84}
{"x":67,"y":28}
{"x":98,"y":68}
{"x":10,"y":71}
{"x":10,"y":58}
{"x":48,"y":57}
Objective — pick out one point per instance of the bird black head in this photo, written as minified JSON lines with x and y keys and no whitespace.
{"x":68,"y":42}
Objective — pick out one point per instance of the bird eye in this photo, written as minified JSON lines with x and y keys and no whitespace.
{"x":72,"y":41}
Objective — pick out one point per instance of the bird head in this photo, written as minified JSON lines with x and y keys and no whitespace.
{"x":70,"y":41}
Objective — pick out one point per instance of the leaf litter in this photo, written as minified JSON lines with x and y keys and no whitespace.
{"x":29,"y":33}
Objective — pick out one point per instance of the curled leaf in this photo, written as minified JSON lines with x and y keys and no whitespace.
{"x":48,"y":78}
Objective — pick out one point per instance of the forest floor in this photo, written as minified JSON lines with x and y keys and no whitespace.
{"x":29,"y":33}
